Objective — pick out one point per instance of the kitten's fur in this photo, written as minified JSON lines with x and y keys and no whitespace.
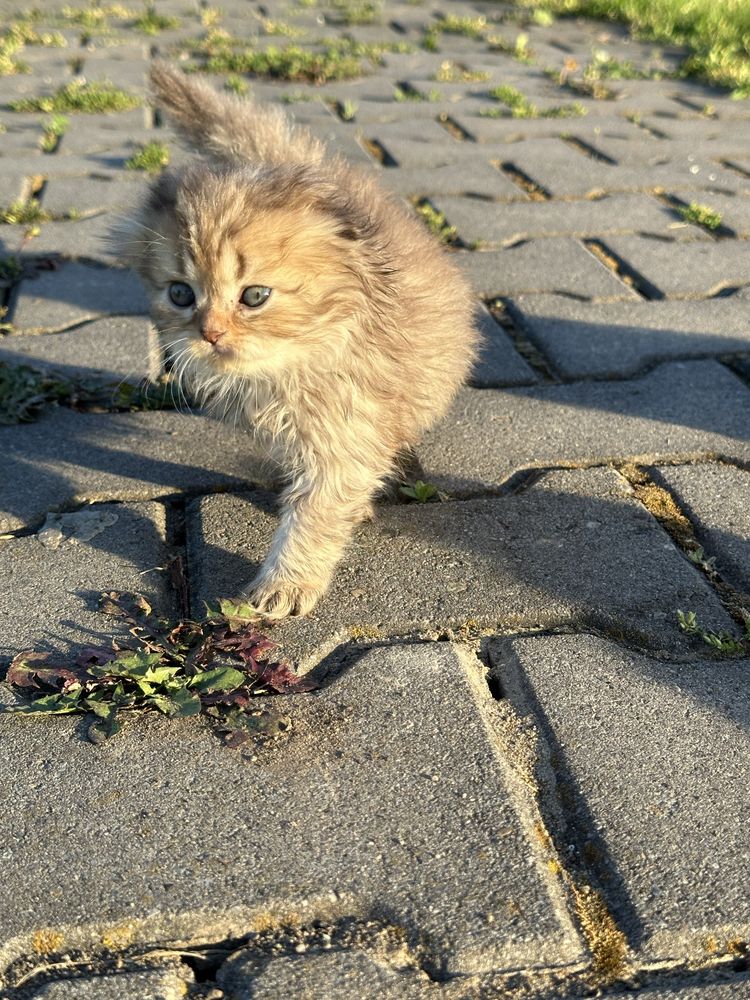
{"x":365,"y":338}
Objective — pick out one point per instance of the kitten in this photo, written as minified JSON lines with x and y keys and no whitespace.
{"x":293,"y":294}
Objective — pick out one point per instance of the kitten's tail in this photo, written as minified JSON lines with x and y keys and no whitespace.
{"x":228,"y":126}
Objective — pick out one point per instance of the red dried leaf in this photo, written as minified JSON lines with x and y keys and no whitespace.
{"x":36,"y":670}
{"x":283,"y":679}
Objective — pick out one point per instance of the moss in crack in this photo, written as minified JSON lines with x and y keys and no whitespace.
{"x":606,"y":941}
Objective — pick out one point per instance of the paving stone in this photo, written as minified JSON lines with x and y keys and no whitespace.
{"x":698,"y":269}
{"x":85,"y":239}
{"x":480,"y":221}
{"x":524,"y":561}
{"x":483,"y":179}
{"x":54,"y":578}
{"x":119,"y":347}
{"x":90,"y":194}
{"x":541,"y":265}
{"x":652,"y":756}
{"x":437,"y":842}
{"x":68,"y":457}
{"x":564,"y":171}
{"x":714,"y":497}
{"x":731,"y":987}
{"x":336,"y":975}
{"x":511,"y":130}
{"x":152,"y":984}
{"x":681,"y":409}
{"x":499,"y":363}
{"x":621,"y":338}
{"x":75,"y":292}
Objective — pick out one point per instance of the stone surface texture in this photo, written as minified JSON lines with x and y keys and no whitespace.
{"x":518,"y":776}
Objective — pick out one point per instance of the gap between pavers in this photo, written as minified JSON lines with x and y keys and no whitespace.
{"x":575,"y":549}
{"x":649,"y":760}
{"x":681,"y":409}
{"x":714,"y":498}
{"x":389,"y":801}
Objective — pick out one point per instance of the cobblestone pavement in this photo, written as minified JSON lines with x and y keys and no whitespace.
{"x":519,"y":777}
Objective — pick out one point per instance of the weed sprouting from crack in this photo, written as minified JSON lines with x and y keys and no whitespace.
{"x":520,"y":107}
{"x":26,"y":393}
{"x":701,"y":215}
{"x":214,"y":667}
{"x":78,"y":96}
{"x":421,"y":492}
{"x":436,"y":222}
{"x":152,"y":158}
{"x":151,"y":23}
{"x":722,"y":642}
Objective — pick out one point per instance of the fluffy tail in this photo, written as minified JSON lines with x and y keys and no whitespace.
{"x":227,"y":126}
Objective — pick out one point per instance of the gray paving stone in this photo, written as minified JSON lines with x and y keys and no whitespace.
{"x":121,"y":347}
{"x":336,"y":975}
{"x":563,"y":171}
{"x":731,"y":987}
{"x":512,"y":130}
{"x":524,"y":561}
{"x":621,"y":338}
{"x":437,"y":841}
{"x":150,"y":984}
{"x":68,"y":457}
{"x":656,"y":755}
{"x":54,"y":578}
{"x":500,"y":223}
{"x":482,"y":179}
{"x":541,"y":265}
{"x":499,"y":363}
{"x":700,"y":268}
{"x":681,"y":409}
{"x":714,"y":497}
{"x":90,"y":194}
{"x":74,"y":292}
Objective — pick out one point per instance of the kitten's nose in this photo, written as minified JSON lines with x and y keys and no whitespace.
{"x":212,"y":335}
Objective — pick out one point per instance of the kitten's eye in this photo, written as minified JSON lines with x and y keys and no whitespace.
{"x":181,"y":294}
{"x":255,"y":295}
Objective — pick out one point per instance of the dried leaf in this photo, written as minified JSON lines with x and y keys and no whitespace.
{"x":34,"y":670}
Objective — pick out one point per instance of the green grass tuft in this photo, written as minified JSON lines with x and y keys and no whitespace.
{"x":702,"y":215}
{"x":24,"y":212}
{"x":79,"y":97}
{"x":151,"y":23}
{"x":435,"y":221}
{"x":717,"y":31}
{"x":152,"y":158}
{"x":52,"y":130}
{"x":521,"y":107}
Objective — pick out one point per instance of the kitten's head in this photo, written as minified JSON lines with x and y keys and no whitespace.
{"x":250,"y":271}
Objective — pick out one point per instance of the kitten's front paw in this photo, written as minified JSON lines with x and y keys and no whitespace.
{"x":277,"y":598}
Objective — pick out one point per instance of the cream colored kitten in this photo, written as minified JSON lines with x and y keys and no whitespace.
{"x":291,"y":290}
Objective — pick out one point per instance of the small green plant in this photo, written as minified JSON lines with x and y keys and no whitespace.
{"x":152,"y":158}
{"x":81,"y":97}
{"x":24,"y":212}
{"x":520,"y":107}
{"x":347,"y":110}
{"x":723,"y":642}
{"x":436,"y":221}
{"x":701,"y":215}
{"x":452,"y":72}
{"x":216,"y":666}
{"x":295,"y":97}
{"x":453,"y":24}
{"x":10,"y":271}
{"x":420,"y":492}
{"x":52,"y":130}
{"x":604,"y":67}
{"x":352,"y":12}
{"x":94,"y":17}
{"x":210,"y":16}
{"x":519,"y":49}
{"x":236,"y":85}
{"x":151,"y":23}
{"x":543,"y":18}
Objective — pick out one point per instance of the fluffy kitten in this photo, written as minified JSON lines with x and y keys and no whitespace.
{"x":293,"y":293}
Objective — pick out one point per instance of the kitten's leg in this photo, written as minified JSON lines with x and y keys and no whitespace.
{"x":317,"y":520}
